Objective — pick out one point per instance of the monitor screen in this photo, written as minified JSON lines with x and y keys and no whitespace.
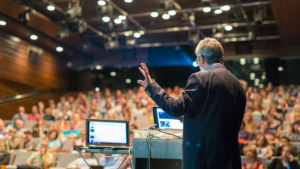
{"x":165,"y":121}
{"x":105,"y":132}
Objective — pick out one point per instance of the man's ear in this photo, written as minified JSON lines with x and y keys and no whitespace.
{"x":201,"y":59}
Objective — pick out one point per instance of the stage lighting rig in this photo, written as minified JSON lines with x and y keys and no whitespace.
{"x":206,"y":2}
{"x":130,"y":41}
{"x":112,"y":42}
{"x":218,"y":32}
{"x":259,"y":14}
{"x":25,"y":16}
{"x":82,"y":26}
{"x":62,"y":34}
{"x":104,"y":9}
{"x":194,"y":36}
{"x":74,"y":10}
{"x":188,"y":18}
{"x":165,"y":4}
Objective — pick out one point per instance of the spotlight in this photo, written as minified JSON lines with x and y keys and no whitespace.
{"x":98,"y":67}
{"x":81,"y":26}
{"x":228,"y":28}
{"x":25,"y":16}
{"x":263,"y":77}
{"x":97,"y":89}
{"x":50,"y":8}
{"x":226,"y":8}
{"x":33,"y":37}
{"x":154,"y":14}
{"x":195,"y":64}
{"x":128,"y":80}
{"x":172,"y":12}
{"x":243,"y":61}
{"x":117,"y":21}
{"x":122,"y":17}
{"x":280,"y":69}
{"x":105,"y":19}
{"x":206,"y":9}
{"x":59,"y":49}
{"x":256,"y":80}
{"x":218,"y":11}
{"x":101,"y":2}
{"x":2,"y":23}
{"x":256,"y":60}
{"x":166,"y":16}
{"x":128,"y":1}
{"x":113,"y":74}
{"x":137,"y":35}
{"x":252,"y":76}
{"x":74,"y":10}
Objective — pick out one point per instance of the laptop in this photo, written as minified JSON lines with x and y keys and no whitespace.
{"x":107,"y":134}
{"x":164,"y":121}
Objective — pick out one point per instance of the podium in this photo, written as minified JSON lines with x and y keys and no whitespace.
{"x":165,"y":153}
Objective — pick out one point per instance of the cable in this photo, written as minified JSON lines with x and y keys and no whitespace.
{"x":82,"y":156}
{"x":112,"y":157}
{"x":149,"y":149}
{"x":169,"y":134}
{"x":96,"y":159}
{"x":123,"y":162}
{"x":130,"y":158}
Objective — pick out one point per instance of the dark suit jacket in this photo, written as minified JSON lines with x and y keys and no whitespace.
{"x":213,"y":104}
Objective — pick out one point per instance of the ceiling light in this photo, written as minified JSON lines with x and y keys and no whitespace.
{"x":256,"y":83}
{"x":105,"y":19}
{"x":261,"y":86}
{"x":256,"y":60}
{"x":50,"y":8}
{"x":166,"y":16}
{"x":98,"y":67}
{"x":218,"y":11}
{"x":280,"y":69}
{"x":122,"y":17}
{"x":128,"y":1}
{"x":97,"y":89}
{"x":228,"y":28}
{"x":2,"y":23}
{"x":33,"y":37}
{"x":252,"y":76}
{"x":101,"y":2}
{"x":128,"y":80}
{"x":226,"y":8}
{"x":117,"y":21}
{"x":59,"y":49}
{"x":243,"y":61}
{"x":154,"y":14}
{"x":172,"y":12}
{"x":127,"y":33}
{"x":137,"y":35}
{"x":206,"y":9}
{"x":195,"y":64}
{"x":263,"y":77}
{"x":113,"y":73}
{"x":142,"y":32}
{"x":256,"y":80}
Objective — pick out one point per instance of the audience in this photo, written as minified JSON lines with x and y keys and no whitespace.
{"x":41,"y":108}
{"x":62,"y":104}
{"x":28,"y":143}
{"x":42,"y":158}
{"x":296,"y":109}
{"x":3,"y":130}
{"x":286,"y":160}
{"x":78,"y":123}
{"x":19,"y":128}
{"x":79,"y":163}
{"x":48,"y":115}
{"x":34,"y":114}
{"x":40,"y":130}
{"x":82,"y":140}
{"x":4,"y":155}
{"x":21,"y":114}
{"x":294,"y":135}
{"x":285,"y":141}
{"x":252,"y":159}
{"x":14,"y":142}
{"x":72,"y":133}
{"x":263,"y":147}
{"x":243,"y":134}
{"x":54,"y":143}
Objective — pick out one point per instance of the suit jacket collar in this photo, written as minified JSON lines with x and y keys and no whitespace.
{"x":217,"y":66}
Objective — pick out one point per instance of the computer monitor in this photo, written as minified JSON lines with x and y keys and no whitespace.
{"x":164,"y":121}
{"x":107,"y":133}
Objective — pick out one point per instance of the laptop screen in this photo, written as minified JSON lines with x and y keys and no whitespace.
{"x":165,"y":121}
{"x":105,"y":132}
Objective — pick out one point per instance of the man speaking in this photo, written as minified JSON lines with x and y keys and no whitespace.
{"x":213,"y":104}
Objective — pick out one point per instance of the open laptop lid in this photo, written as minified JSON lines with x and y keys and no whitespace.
{"x":164,"y":121}
{"x":107,"y":133}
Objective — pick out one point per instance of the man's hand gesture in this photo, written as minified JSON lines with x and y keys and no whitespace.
{"x":144,"y":70}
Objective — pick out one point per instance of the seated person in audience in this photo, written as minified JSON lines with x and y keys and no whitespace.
{"x":79,"y":163}
{"x":274,"y":124}
{"x":48,"y":115}
{"x":81,"y":141}
{"x":286,"y":160}
{"x":41,"y":108}
{"x":21,"y":114}
{"x":64,"y":115}
{"x":4,"y":155}
{"x":245,"y":135}
{"x":14,"y":142}
{"x":277,"y":116}
{"x":296,"y":109}
{"x":249,"y":122}
{"x":81,"y":114}
{"x":109,"y":161}
{"x":3,"y":130}
{"x":296,"y":118}
{"x":252,"y":159}
{"x":78,"y":123}
{"x":93,"y":112}
{"x":54,"y":110}
{"x":42,"y":158}
{"x":56,"y":128}
{"x":34,"y":116}
{"x":264,"y":131}
{"x":28,"y":143}
{"x":63,"y":125}
{"x":62,"y":104}
{"x":54,"y":143}
{"x":139,"y":110}
{"x":294,"y":135}
{"x":40,"y":130}
{"x":285,"y":141}
{"x":72,"y":133}
{"x":263,"y":148}
{"x":19,"y":128}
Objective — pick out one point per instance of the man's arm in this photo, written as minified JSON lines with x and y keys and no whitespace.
{"x":177,"y":106}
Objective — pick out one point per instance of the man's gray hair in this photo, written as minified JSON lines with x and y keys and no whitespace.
{"x":211,"y":50}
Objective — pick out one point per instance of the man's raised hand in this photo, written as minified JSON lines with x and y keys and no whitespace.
{"x":144,"y":70}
